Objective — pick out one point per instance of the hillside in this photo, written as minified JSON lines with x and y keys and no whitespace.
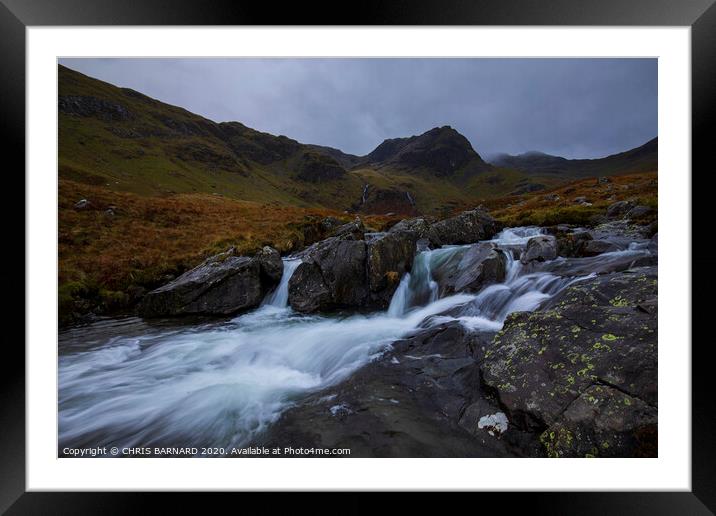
{"x":121,"y":139}
{"x":640,"y":159}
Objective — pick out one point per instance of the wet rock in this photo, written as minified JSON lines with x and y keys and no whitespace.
{"x":592,"y":334}
{"x":412,"y":402}
{"x":332,"y":275}
{"x":224,"y":284}
{"x":540,"y":248}
{"x":481,"y":265}
{"x":595,"y":247}
{"x":389,"y":256}
{"x":271,"y":265}
{"x":467,"y":228}
{"x":654,"y":244}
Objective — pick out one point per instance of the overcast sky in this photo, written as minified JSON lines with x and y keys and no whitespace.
{"x":577,"y":108}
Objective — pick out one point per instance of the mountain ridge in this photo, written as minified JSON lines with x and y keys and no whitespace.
{"x":124,"y":140}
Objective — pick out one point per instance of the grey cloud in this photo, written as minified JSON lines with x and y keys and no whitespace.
{"x":569,"y":107}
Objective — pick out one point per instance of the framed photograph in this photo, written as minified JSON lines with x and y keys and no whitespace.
{"x":410,"y":248}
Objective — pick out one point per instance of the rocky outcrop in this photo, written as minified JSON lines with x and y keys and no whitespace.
{"x":481,"y":265}
{"x":619,"y":209}
{"x":87,"y":106}
{"x":421,"y":227}
{"x":467,"y":228}
{"x":332,"y":275}
{"x":583,"y":370}
{"x":541,"y":248}
{"x":317,"y":168}
{"x":224,"y":284}
{"x":347,"y":272}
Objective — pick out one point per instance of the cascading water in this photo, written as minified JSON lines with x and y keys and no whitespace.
{"x":128,"y":383}
{"x":279,"y":297}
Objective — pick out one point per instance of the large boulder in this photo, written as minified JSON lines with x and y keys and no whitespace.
{"x":388,"y":257}
{"x":332,"y":275}
{"x":481,"y":265}
{"x":223,"y":284}
{"x":421,"y":227}
{"x":540,"y":248}
{"x":467,"y":228}
{"x":583,"y":371}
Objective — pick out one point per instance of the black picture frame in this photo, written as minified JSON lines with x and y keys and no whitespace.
{"x":700,"y":15}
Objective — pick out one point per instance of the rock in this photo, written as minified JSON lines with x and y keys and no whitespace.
{"x":619,"y":209}
{"x":654,"y":244}
{"x":572,"y":244}
{"x":222,"y":285}
{"x":583,"y":201}
{"x":389,"y":256}
{"x":354,"y":230}
{"x":87,"y":106}
{"x":421,"y":227}
{"x":603,"y":180}
{"x":271,"y":265}
{"x":546,"y":366}
{"x":483,"y":264}
{"x":540,"y":248}
{"x":409,"y":403}
{"x":604,"y":422}
{"x":638,"y":212}
{"x":467,"y":228}
{"x":551,"y":197}
{"x":595,"y":247}
{"x":332,"y":275}
{"x":83,"y":204}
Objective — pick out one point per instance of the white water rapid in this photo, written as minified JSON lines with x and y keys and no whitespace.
{"x":127,"y":382}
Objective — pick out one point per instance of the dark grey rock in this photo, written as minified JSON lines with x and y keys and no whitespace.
{"x":481,"y":265}
{"x":600,"y":332}
{"x":619,"y":209}
{"x":467,"y":228}
{"x":540,"y":248}
{"x":595,"y":247}
{"x":332,"y":275}
{"x":389,"y":256}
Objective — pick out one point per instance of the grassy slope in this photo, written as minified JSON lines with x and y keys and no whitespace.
{"x":104,"y":259}
{"x":146,"y":156}
{"x":541,"y":209}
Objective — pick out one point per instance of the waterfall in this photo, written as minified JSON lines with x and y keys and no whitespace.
{"x":279,"y":296}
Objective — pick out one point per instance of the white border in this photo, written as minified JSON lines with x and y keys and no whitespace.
{"x":670,"y":471}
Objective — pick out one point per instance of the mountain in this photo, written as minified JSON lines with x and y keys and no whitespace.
{"x":123,"y":140}
{"x":640,"y":159}
{"x":441,"y":151}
